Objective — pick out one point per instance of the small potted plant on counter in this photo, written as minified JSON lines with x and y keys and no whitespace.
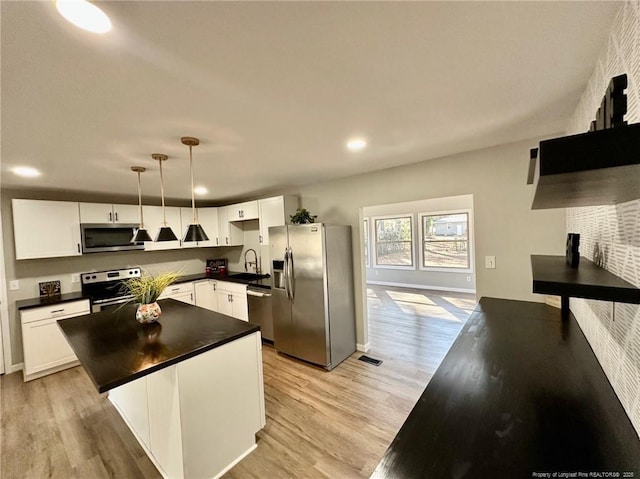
{"x":145,"y":291}
{"x":302,"y":216}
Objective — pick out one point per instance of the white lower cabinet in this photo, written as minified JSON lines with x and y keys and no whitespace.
{"x":45,"y":348}
{"x":180,"y":292}
{"x":232,"y":300}
{"x":206,"y":294}
{"x":199,"y":417}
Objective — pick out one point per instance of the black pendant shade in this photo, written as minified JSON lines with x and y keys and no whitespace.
{"x":195,"y":233}
{"x":140,"y":236}
{"x":165,"y":233}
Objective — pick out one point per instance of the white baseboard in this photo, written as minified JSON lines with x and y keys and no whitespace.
{"x":363,"y":347}
{"x":14,"y":368}
{"x":422,"y":286}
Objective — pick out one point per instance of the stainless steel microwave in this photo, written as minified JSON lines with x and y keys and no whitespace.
{"x":98,"y":237}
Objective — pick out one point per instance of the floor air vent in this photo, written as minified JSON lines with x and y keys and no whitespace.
{"x":367,"y":359}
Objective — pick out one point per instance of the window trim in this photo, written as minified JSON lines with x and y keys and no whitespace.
{"x":374,"y":242}
{"x":470,"y":241}
{"x":366,"y":245}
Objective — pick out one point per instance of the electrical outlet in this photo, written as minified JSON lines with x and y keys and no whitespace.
{"x":468,"y":279}
{"x":14,"y":285}
{"x":490,"y":262}
{"x":75,"y":278}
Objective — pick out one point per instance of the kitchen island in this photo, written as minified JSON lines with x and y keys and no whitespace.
{"x":189,"y":387}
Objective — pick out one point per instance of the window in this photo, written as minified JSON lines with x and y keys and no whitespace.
{"x":445,"y":241}
{"x":366,"y":241}
{"x":394,"y":241}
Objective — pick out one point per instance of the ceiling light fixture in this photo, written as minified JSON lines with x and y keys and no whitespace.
{"x":356,"y":144}
{"x":200,"y":190}
{"x":141,"y":233}
{"x":165,"y":233}
{"x":195,"y":231}
{"x":84,"y":15}
{"x":25,"y":171}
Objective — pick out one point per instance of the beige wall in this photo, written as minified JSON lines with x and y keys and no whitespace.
{"x":505,"y":225}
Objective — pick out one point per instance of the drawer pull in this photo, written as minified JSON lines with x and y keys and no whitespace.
{"x":57,"y":311}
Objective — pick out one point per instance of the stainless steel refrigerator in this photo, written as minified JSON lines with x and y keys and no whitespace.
{"x":312,"y":296}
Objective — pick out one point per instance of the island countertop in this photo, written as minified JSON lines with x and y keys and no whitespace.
{"x":520,"y":394}
{"x":115,"y":349}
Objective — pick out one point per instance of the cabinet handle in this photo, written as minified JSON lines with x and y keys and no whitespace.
{"x":57,"y":311}
{"x":214,"y":286}
{"x":216,"y":241}
{"x":110,"y":216}
{"x":260,"y":238}
{"x":191,"y":296}
{"x":116,"y":216}
{"x":78,"y":247}
{"x":226,"y":238}
{"x":175,"y":289}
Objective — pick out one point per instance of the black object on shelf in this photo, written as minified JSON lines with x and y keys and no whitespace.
{"x":589,"y":169}
{"x":573,"y":253}
{"x":552,"y":275}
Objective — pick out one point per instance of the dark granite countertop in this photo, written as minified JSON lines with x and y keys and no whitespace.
{"x":49,"y":300}
{"x":520,"y":392}
{"x":264,"y":283}
{"x":115,"y":349}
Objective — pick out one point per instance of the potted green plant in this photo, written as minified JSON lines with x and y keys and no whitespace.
{"x":145,"y":291}
{"x":302,"y":216}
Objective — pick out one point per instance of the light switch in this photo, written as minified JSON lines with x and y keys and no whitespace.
{"x":14,"y":285}
{"x":75,"y":278}
{"x":490,"y":262}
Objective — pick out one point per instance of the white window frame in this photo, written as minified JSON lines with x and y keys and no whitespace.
{"x":373,"y":240}
{"x":366,"y":245}
{"x":470,"y":240}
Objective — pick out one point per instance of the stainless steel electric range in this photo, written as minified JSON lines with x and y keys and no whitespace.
{"x":104,"y":288}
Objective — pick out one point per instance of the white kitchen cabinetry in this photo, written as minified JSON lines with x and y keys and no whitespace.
{"x":208,"y":218}
{"x":230,"y":234}
{"x":153,"y":222}
{"x":232,"y":300}
{"x":108,"y":213}
{"x":206,"y":294}
{"x":45,"y":348}
{"x":275,"y":212}
{"x":45,"y":229}
{"x":243,"y":211}
{"x":180,"y":292}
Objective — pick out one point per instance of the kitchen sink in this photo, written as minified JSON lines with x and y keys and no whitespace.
{"x":248,"y":276}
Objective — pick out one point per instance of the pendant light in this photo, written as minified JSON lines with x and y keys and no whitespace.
{"x":195,"y":231}
{"x":141,"y":233}
{"x":165,"y":233}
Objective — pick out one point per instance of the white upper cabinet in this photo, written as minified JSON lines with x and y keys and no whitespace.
{"x":243,"y":211}
{"x":229,"y":234}
{"x":108,"y":213}
{"x":208,"y":218}
{"x":45,"y":229}
{"x":153,"y":221}
{"x":275,"y":212}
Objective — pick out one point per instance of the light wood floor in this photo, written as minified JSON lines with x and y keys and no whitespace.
{"x":319,"y":424}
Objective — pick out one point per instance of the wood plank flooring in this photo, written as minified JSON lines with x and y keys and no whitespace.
{"x":319,"y":424}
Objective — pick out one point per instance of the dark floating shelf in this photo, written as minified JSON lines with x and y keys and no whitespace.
{"x":552,"y":275}
{"x":589,"y":169}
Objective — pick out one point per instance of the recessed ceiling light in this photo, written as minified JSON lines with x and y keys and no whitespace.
{"x":25,"y":171}
{"x":356,"y":144}
{"x":200,"y":190}
{"x":84,"y":15}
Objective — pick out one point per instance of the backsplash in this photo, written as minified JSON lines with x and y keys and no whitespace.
{"x":613,"y":232}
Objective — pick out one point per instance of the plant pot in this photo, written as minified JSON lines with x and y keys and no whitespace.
{"x":148,"y":313}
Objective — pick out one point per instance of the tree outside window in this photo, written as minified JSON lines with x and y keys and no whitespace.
{"x":445,"y":241}
{"x":394,"y":245}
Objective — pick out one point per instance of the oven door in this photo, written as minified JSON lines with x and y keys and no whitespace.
{"x":98,"y":238}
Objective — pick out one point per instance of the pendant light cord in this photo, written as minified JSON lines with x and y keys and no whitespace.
{"x":193,"y":197}
{"x":164,"y":214}
{"x":140,"y":202}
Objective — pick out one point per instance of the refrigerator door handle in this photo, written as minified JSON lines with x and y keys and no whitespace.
{"x":285,"y":273}
{"x":290,"y":275}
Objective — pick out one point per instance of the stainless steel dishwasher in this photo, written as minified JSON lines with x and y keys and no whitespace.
{"x":259,"y":300}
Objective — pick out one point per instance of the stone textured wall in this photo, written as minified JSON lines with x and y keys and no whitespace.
{"x":612,"y":233}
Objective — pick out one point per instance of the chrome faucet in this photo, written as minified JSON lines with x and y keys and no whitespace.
{"x":254,"y":262}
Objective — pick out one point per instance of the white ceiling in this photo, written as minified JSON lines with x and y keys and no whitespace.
{"x":274,"y":89}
